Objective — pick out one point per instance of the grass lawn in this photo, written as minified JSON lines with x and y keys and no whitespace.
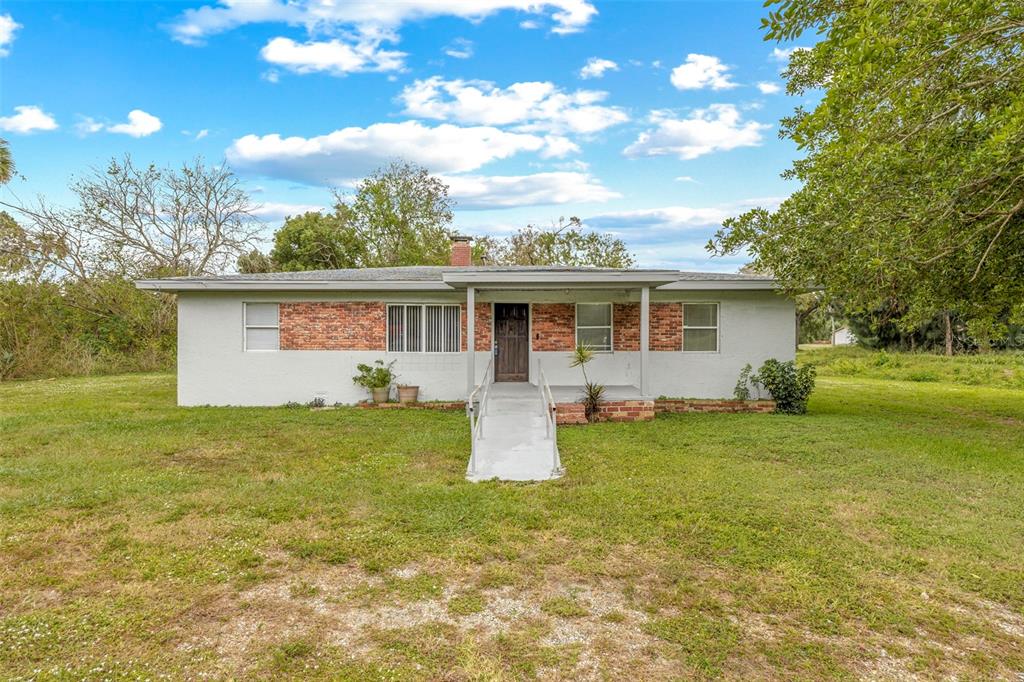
{"x":880,"y":536}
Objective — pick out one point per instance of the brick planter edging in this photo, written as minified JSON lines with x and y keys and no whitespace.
{"x":449,"y":405}
{"x":610,"y":411}
{"x":690,"y":405}
{"x":644,"y":410}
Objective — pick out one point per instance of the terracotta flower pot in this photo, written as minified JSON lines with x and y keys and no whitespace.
{"x":380,"y":395}
{"x":408,"y":394}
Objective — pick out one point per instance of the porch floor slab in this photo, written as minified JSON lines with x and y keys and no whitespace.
{"x":572,"y":394}
{"x":562,"y":393}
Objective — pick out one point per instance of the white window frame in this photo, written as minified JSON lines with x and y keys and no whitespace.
{"x":423,"y":327}
{"x":246,"y":327}
{"x":717,"y":327}
{"x":610,"y":325}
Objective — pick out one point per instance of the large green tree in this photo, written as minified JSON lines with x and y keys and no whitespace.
{"x":912,"y":183}
{"x":6,"y":162}
{"x":401,"y":215}
{"x":398,"y":215}
{"x":566,"y":243}
{"x":317,"y":241}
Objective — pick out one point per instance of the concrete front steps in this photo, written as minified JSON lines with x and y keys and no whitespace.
{"x":514,"y":443}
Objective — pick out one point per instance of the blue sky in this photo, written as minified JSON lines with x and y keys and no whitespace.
{"x":652,"y":120}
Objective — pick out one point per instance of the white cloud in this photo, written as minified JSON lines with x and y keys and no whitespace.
{"x":536,"y":106}
{"x":769,"y":88}
{"x":87,"y":125}
{"x":538,"y":189}
{"x":139,"y":124}
{"x":674,"y":236}
{"x":334,"y":57}
{"x":529,"y":25}
{"x":718,"y":128}
{"x":7,"y":28}
{"x":353,"y":152}
{"x":271,"y":76}
{"x":275,"y":212}
{"x":202,"y":133}
{"x":557,"y":147}
{"x":685,"y":178}
{"x":460,"y":48}
{"x":669,"y":221}
{"x":193,"y":26}
{"x":596,"y":67}
{"x":782,"y":54}
{"x":701,"y":71}
{"x":27,"y":119}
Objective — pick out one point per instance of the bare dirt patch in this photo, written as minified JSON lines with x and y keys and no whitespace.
{"x":310,"y":601}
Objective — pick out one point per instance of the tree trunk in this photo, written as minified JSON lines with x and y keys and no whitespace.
{"x":949,"y":334}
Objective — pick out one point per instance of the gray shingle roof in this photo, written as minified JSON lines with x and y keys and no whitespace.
{"x":435,"y":273}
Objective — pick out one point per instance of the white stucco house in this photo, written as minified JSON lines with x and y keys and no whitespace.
{"x":267,"y":339}
{"x":494,"y":339}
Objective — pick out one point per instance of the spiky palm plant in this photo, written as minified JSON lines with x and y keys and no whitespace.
{"x":593,"y":393}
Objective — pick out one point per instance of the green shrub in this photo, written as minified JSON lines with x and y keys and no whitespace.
{"x":790,"y":386}
{"x":378,"y":375}
{"x":742,"y":390}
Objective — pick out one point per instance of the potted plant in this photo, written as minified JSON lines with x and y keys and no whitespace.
{"x":408,"y":394}
{"x":376,"y":378}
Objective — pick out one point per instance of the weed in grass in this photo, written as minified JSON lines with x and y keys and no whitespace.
{"x":466,"y":604}
{"x":563,"y":607}
{"x":303,"y":590}
{"x":324,"y":550}
{"x":290,"y":656}
{"x":498,"y":575}
{"x":704,"y":640}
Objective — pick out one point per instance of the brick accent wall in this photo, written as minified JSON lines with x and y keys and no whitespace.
{"x":352,"y":325}
{"x":666,"y":326}
{"x":626,"y":326}
{"x":554,"y":326}
{"x":481,"y":329}
{"x":687,"y":405}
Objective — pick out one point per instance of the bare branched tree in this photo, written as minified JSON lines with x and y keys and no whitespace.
{"x":135,"y":221}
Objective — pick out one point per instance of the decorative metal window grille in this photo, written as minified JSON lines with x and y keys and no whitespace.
{"x":428,"y":328}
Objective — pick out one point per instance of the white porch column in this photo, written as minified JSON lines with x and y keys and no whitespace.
{"x":645,"y":334}
{"x":470,"y":341}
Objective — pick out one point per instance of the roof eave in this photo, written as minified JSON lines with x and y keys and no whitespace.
{"x":287,"y":285}
{"x":720,"y":284}
{"x":519,"y":280}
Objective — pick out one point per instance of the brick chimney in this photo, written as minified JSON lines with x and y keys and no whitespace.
{"x":462,"y":252}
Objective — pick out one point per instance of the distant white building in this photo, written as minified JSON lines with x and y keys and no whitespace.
{"x":843,"y":337}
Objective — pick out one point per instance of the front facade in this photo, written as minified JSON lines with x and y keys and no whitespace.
{"x":272,"y":339}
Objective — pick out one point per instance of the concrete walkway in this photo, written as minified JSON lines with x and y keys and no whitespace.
{"x":515,"y":445}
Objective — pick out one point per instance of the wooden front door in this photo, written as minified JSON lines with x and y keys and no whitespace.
{"x":511,"y":341}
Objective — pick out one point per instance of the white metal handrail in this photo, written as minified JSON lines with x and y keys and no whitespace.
{"x":476,"y":414}
{"x":550,"y":411}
